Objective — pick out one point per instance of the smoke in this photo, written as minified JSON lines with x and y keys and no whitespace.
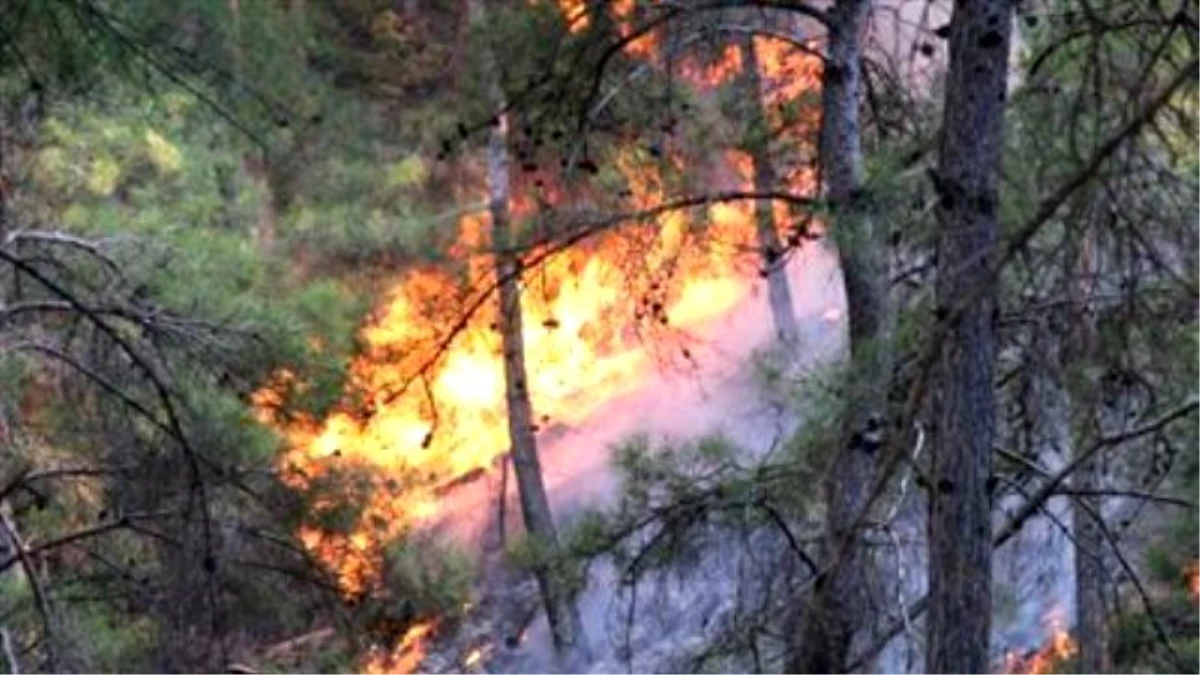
{"x":713,"y":391}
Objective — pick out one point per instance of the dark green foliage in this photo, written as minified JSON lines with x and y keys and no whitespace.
{"x":1136,"y":645}
{"x":426,"y":578}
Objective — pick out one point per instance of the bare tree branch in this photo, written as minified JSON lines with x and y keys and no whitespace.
{"x":14,"y":666}
{"x":41,"y":602}
{"x":125,"y":521}
{"x":1031,"y":506}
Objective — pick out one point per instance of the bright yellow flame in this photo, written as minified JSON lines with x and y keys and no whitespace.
{"x":405,"y":656}
{"x":422,"y":410}
{"x":451,"y":420}
{"x":576,"y":14}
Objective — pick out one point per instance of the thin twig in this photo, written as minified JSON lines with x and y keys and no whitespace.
{"x":40,"y":600}
{"x":1031,"y":507}
{"x":14,"y":666}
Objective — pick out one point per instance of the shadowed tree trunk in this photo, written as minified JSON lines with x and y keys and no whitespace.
{"x":5,"y":183}
{"x":1060,"y":337}
{"x":960,"y":529}
{"x":839,"y":606}
{"x":1091,"y":617}
{"x":561,"y":611}
{"x":757,"y":144}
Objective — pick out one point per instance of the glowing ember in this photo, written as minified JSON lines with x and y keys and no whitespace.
{"x":723,"y":70}
{"x":1191,"y":575}
{"x":1059,"y":647}
{"x":576,"y":14}
{"x":473,"y":658}
{"x":644,"y":46}
{"x":787,"y":70}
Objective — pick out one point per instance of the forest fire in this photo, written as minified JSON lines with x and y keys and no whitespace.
{"x":451,"y":420}
{"x":1191,"y":576}
{"x":405,"y":656}
{"x":424,"y":406}
{"x":1058,"y":648}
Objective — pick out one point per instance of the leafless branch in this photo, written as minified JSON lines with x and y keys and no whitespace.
{"x":1147,"y":605}
{"x":125,"y":521}
{"x":1032,"y":505}
{"x":40,"y":600}
{"x":584,"y":226}
{"x":1132,"y":494}
{"x":14,"y":665}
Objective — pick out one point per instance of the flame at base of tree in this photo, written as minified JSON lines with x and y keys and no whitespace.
{"x":424,"y":406}
{"x":1058,"y":648}
{"x":425,"y":402}
{"x":405,"y":656}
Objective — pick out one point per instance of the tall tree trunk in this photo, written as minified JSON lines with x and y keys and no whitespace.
{"x":839,"y":606}
{"x":757,"y":143}
{"x":1091,"y":617}
{"x":960,"y":528}
{"x":6,"y":185}
{"x":561,"y":611}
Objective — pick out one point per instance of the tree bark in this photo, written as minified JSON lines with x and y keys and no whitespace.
{"x":774,"y":269}
{"x":1091,"y":616}
{"x":6,"y":185}
{"x":10,"y":654}
{"x":561,"y":612}
{"x":839,"y":607}
{"x":960,"y":528}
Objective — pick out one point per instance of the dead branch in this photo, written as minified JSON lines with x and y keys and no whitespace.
{"x":40,"y":600}
{"x":10,"y":655}
{"x":1046,"y":210}
{"x":1032,"y":506}
{"x":67,"y":240}
{"x":1132,"y":494}
{"x":125,"y":521}
{"x":280,"y":649}
{"x":1147,"y":606}
{"x":162,"y":391}
{"x":14,"y":482}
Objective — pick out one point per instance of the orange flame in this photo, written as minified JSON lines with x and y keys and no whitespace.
{"x":787,"y":69}
{"x":405,"y":656}
{"x":576,"y":15}
{"x":450,"y":420}
{"x":1059,"y":647}
{"x":575,"y":12}
{"x":724,"y":69}
{"x":644,"y":46}
{"x":1191,"y":576}
{"x":424,"y":409}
